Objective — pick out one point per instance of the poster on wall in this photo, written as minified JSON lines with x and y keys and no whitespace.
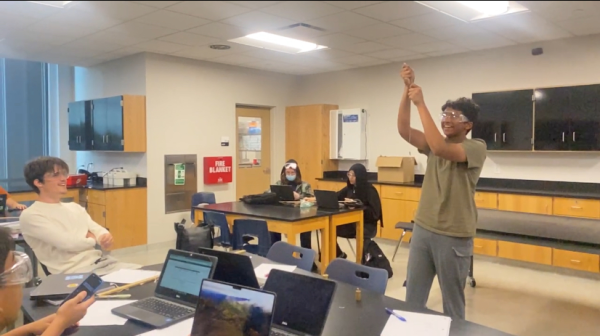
{"x":179,"y":173}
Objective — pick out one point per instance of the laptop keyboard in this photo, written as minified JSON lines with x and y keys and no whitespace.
{"x":163,"y":308}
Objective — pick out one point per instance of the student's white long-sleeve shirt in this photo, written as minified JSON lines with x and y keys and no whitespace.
{"x":57,"y":234}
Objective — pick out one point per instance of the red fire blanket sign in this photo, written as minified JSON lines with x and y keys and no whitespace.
{"x":218,"y":169}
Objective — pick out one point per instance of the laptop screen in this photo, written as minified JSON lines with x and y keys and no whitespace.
{"x":226,"y":309}
{"x":302,"y":301}
{"x":233,"y":268}
{"x":182,"y":275}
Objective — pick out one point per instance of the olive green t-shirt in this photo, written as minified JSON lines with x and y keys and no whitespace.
{"x":447,"y":203}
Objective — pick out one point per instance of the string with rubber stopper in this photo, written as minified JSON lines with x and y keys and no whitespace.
{"x":358,"y":295}
{"x":326,"y":276}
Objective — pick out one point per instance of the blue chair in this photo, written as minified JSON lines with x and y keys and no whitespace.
{"x":365,"y":277}
{"x":283,"y":252}
{"x":219,"y":220}
{"x":243,"y":228}
{"x":202,"y":197}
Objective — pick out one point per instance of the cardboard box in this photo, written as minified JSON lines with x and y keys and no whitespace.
{"x":396,"y":169}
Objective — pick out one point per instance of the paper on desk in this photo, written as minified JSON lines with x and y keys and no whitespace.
{"x":182,"y":328}
{"x":417,"y":325}
{"x":99,"y":313}
{"x":127,"y":276}
{"x":262,"y":271}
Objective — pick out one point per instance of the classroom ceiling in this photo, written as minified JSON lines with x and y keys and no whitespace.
{"x":358,"y":33}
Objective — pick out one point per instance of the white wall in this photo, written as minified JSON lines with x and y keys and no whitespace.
{"x":60,"y":93}
{"x":378,"y":89}
{"x":123,"y":76}
{"x":189,"y":106}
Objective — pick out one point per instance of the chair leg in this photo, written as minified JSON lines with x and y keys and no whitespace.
{"x":351,"y":248}
{"x":399,"y":242}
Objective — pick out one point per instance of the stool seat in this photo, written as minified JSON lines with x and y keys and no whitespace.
{"x":405,"y":226}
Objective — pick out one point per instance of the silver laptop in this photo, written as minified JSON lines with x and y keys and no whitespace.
{"x":176,"y":294}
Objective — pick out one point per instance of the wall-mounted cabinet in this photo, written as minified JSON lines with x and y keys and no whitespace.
{"x":108,"y":124}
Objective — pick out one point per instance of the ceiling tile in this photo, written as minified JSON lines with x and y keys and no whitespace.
{"x":482,"y":40}
{"x":342,"y":21}
{"x":117,"y":38}
{"x":122,"y":52}
{"x":377,"y":31}
{"x":265,"y":54}
{"x":211,"y":10}
{"x":205,"y":52}
{"x":391,"y":53}
{"x":408,"y":40}
{"x":427,"y":21}
{"x":358,"y":59}
{"x":189,"y":39}
{"x":54,"y":58}
{"x":409,"y":57}
{"x":453,"y":32}
{"x":158,"y":4}
{"x":301,"y":11}
{"x":451,"y":51}
{"x":220,"y":30}
{"x":60,"y":29}
{"x":258,"y":21}
{"x":160,"y":47}
{"x":567,"y":10}
{"x":73,"y":52}
{"x":84,"y":43}
{"x":43,"y":38}
{"x":27,"y":9}
{"x":431,"y":47}
{"x":580,"y":27}
{"x":168,"y":19}
{"x":234,"y":59}
{"x":20,"y":47}
{"x":255,"y":4}
{"x":14,"y":21}
{"x":394,"y":10}
{"x":140,"y":30}
{"x":300,"y":32}
{"x":337,"y":40}
{"x":350,"y":5}
{"x":524,"y":28}
{"x":121,"y":10}
{"x":87,"y":19}
{"x":329,"y":54}
{"x":365,"y":47}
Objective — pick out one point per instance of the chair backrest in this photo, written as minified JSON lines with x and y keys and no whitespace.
{"x":255,"y":228}
{"x":218,"y":219}
{"x":285,"y":253}
{"x":374,"y":279}
{"x":202,"y":197}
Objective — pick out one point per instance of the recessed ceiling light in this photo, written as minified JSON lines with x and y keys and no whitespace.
{"x":58,"y":4}
{"x":220,"y":46}
{"x":277,"y":43}
{"x":475,"y":10}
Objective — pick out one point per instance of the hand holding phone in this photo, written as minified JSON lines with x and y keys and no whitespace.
{"x":89,"y":286}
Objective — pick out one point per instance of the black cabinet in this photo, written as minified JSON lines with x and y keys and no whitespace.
{"x":567,"y":118}
{"x":79,"y":126}
{"x":114,"y":124}
{"x":96,"y":125}
{"x":505,"y":119}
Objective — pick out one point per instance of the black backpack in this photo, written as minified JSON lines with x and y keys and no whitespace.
{"x":266,"y":198}
{"x":374,"y":257}
{"x":190,"y":239}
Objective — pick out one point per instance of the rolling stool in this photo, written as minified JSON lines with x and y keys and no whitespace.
{"x":406,"y":227}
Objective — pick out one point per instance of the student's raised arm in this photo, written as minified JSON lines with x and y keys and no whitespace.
{"x":411,"y":135}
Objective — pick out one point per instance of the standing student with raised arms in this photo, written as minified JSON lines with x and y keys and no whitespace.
{"x":445,"y":222}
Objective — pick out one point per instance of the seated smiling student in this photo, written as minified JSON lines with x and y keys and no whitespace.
{"x":11,"y":203}
{"x":15,"y":271}
{"x":63,"y":235}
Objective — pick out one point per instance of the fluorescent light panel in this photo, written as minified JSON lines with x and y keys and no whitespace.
{"x":58,"y":4}
{"x":475,"y":10}
{"x":277,"y":43}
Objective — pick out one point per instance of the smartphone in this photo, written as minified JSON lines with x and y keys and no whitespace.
{"x":90,"y":285}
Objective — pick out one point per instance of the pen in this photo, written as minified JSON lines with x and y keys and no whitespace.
{"x":391,"y":312}
{"x":116,"y":296}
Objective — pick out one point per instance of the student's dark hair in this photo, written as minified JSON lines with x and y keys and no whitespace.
{"x":6,"y":245}
{"x":37,"y":168}
{"x":465,"y":105}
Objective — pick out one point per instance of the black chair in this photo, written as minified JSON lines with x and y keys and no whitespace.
{"x":406,"y":227}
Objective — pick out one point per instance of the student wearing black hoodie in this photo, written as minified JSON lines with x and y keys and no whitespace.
{"x":358,"y":188}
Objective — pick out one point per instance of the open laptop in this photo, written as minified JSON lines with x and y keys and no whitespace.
{"x":57,"y":286}
{"x":226,"y":309}
{"x":303,"y":303}
{"x":283,"y":192}
{"x":3,"y":199}
{"x":233,"y":268}
{"x":327,"y":199}
{"x":176,"y":293}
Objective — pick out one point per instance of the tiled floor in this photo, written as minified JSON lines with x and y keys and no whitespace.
{"x":517,"y":298}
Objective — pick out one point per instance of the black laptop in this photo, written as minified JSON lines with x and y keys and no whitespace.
{"x":303,"y":303}
{"x":176,"y":294}
{"x":57,"y":286}
{"x":283,"y":192}
{"x":233,"y":268}
{"x":327,"y":199}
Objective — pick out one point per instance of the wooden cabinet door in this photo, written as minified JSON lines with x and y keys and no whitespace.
{"x":127,"y":216}
{"x":574,"y":207}
{"x":395,"y":211}
{"x":98,"y":213}
{"x":525,"y":203}
{"x":485,"y":200}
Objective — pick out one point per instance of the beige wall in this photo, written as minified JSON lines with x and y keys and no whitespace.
{"x":378,"y":89}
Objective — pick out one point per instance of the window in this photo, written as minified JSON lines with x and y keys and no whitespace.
{"x":23,"y":118}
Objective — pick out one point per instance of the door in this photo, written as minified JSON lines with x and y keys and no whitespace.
{"x":99,"y":124}
{"x":114,"y":123}
{"x":584,"y":118}
{"x":487,"y":126}
{"x":77,"y":125}
{"x":551,"y":119}
{"x":253,"y":139}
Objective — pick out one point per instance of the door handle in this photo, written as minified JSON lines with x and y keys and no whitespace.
{"x":563,"y":137}
{"x":503,"y":137}
{"x":107,"y":138}
{"x":494,"y":137}
{"x":573,"y":136}
{"x":575,"y":207}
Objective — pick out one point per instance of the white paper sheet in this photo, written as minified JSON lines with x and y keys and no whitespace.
{"x":99,"y":314}
{"x":183,"y":328}
{"x":417,"y":325}
{"x":127,"y":276}
{"x":262,"y":271}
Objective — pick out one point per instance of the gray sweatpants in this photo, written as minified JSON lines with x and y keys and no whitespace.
{"x":449,"y":258}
